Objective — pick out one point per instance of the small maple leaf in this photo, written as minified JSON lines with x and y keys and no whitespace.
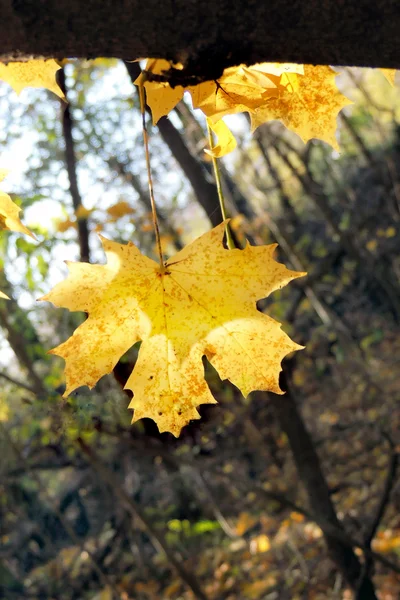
{"x":202,"y":302}
{"x":308,"y":105}
{"x":9,"y":212}
{"x":160,"y":96}
{"x":32,"y":73}
{"x":9,"y":218}
{"x":120,"y":209}
{"x":226,"y":141}
{"x":390,"y":75}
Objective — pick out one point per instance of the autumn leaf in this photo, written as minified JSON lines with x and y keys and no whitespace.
{"x":9,"y":212}
{"x":83,"y":213}
{"x":239,"y":89}
{"x":119,"y":210}
{"x":9,"y":218}
{"x":160,"y":96}
{"x":390,"y":75}
{"x":32,"y":73}
{"x":304,"y":98}
{"x":309,"y":108}
{"x":202,"y":302}
{"x":225,"y":139}
{"x":64,"y":225}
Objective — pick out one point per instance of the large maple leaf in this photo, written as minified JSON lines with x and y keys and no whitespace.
{"x":307,"y":104}
{"x":202,"y":302}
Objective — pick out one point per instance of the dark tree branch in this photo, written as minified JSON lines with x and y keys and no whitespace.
{"x":106,"y":581}
{"x":205,"y":35}
{"x":389,"y":482}
{"x":18,"y":383}
{"x":312,"y":476}
{"x":380,"y":509}
{"x":70,"y":161}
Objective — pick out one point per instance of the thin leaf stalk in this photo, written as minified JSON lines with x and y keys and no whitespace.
{"x":149,"y":176}
{"x":229,"y":239}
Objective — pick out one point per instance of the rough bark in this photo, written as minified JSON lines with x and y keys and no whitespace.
{"x":205,"y":35}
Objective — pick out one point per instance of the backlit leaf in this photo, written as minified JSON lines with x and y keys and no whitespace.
{"x":32,"y":73}
{"x":202,"y":302}
{"x":310,"y":108}
{"x":225,"y":139}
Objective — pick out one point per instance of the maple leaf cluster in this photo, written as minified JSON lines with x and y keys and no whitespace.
{"x":201,"y":302}
{"x":305,"y":98}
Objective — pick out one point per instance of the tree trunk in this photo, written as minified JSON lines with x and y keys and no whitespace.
{"x":312,"y":477}
{"x":71,"y":163}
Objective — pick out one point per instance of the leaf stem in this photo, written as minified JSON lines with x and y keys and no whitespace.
{"x":229,"y":239}
{"x":148,"y":167}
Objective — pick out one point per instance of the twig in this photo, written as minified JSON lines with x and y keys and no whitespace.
{"x":148,"y":167}
{"x":18,"y":383}
{"x":136,"y":512}
{"x":380,"y":509}
{"x":102,"y":576}
{"x":389,"y":482}
{"x":44,"y":466}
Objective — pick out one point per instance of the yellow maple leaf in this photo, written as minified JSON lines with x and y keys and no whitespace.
{"x":202,"y":302}
{"x":9,"y":212}
{"x":119,"y":210}
{"x":160,"y":96}
{"x":32,"y":73}
{"x":64,"y":225}
{"x":9,"y":218}
{"x":303,"y":97}
{"x":310,"y":108}
{"x":83,"y":213}
{"x":390,"y":75}
{"x":226,"y":141}
{"x":239,"y":89}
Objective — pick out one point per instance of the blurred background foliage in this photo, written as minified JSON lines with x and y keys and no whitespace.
{"x":268,"y":497}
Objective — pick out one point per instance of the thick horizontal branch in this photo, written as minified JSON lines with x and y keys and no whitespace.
{"x":205,"y":35}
